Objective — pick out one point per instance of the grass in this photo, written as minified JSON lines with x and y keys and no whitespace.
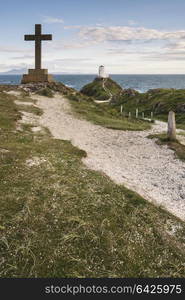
{"x":179,"y":118}
{"x":7,"y":115}
{"x":31,"y":109}
{"x":158,"y":101}
{"x":106,"y":116}
{"x":181,"y":133}
{"x":175,"y":145}
{"x":24,"y":98}
{"x":47,"y":92}
{"x":59,"y":219}
{"x":95,"y":89}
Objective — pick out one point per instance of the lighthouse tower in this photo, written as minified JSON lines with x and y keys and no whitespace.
{"x":102,"y":73}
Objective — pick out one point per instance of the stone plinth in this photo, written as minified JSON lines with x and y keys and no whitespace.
{"x":37,"y":75}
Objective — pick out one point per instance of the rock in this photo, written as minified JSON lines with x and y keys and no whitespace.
{"x":130,"y":92}
{"x":54,"y":86}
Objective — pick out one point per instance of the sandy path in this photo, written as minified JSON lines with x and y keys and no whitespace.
{"x":127,"y":157}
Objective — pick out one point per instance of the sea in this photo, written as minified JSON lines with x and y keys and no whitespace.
{"x":141,"y":83}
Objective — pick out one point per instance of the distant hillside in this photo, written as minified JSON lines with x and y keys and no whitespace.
{"x":101,"y":88}
{"x":14,"y":72}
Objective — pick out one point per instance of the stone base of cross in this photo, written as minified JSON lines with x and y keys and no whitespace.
{"x":37,"y":75}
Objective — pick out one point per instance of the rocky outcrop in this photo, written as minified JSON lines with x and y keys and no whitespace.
{"x":35,"y":87}
{"x":54,"y":86}
{"x":130,"y":92}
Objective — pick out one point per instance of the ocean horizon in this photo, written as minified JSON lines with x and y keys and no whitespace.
{"x":141,"y":83}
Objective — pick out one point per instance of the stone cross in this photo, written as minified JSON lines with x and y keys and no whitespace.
{"x":38,"y":37}
{"x":171,"y":126}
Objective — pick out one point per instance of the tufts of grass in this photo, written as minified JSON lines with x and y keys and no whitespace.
{"x":179,"y":117}
{"x":27,"y":108}
{"x":31,"y":109}
{"x":59,"y":219}
{"x":47,"y":92}
{"x":8,"y":113}
{"x":181,"y":133}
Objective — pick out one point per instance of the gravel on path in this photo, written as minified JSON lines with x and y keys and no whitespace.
{"x":127,"y":157}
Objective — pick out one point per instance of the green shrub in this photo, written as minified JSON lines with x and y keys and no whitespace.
{"x":47,"y":92}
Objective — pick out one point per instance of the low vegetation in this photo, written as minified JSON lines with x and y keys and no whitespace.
{"x":59,"y":219}
{"x":105,"y":115}
{"x":47,"y":92}
{"x":158,"y":101}
{"x":96,"y":90}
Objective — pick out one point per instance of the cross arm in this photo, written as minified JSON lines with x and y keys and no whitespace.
{"x":46,"y":37}
{"x":29,"y":37}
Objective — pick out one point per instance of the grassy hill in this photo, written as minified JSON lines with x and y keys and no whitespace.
{"x":60,"y":219}
{"x":105,"y":115}
{"x":159,"y":101}
{"x":96,"y":90}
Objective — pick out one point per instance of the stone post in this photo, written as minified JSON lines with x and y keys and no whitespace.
{"x":136,"y":113}
{"x":143,"y":115}
{"x":129,"y":114}
{"x":171,"y":133}
{"x":121,"y":109}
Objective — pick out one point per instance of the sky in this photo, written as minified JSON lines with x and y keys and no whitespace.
{"x":126,"y":36}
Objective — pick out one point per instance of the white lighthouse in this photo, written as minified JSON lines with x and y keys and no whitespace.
{"x":102,"y":73}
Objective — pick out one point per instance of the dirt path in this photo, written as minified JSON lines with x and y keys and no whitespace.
{"x":127,"y":157}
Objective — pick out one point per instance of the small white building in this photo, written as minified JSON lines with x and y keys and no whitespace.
{"x":102,"y":73}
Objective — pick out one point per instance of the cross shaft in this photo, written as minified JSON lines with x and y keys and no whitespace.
{"x":38,"y":38}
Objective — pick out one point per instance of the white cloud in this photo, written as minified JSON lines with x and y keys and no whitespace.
{"x":72,"y":27}
{"x":71,"y":60}
{"x":178,"y":47}
{"x":12,"y":49}
{"x":23,"y":57}
{"x":126,"y":33}
{"x":79,"y":44}
{"x":51,"y":20}
{"x":72,"y":44}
